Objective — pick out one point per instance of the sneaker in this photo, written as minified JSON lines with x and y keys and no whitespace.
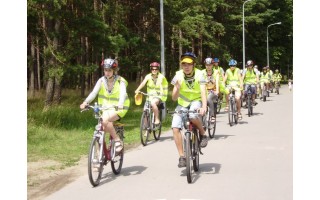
{"x":182,"y":162}
{"x":204,"y":141}
{"x":118,"y":145}
{"x":255,"y":103}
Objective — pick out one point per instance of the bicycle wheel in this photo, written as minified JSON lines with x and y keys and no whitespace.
{"x":219,"y":104}
{"x":144,"y":128}
{"x":230,"y":113}
{"x":116,"y":162}
{"x":95,"y":167}
{"x":195,"y":150}
{"x":249,"y":104}
{"x":211,"y":126}
{"x":188,"y":156}
{"x":157,"y":132}
{"x":234,"y":111}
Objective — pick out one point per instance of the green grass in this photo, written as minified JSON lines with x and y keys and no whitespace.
{"x":63,"y":133}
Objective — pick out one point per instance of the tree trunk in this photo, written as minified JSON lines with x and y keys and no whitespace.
{"x":38,"y":65}
{"x":49,"y":93}
{"x":32,"y":68}
{"x":57,"y":75}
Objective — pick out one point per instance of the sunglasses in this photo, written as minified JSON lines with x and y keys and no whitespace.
{"x":154,"y":69}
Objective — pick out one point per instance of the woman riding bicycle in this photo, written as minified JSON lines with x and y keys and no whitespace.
{"x":157,"y":85}
{"x":112,"y":91}
{"x":190,"y":91}
{"x":250,"y":78}
{"x":212,"y":80}
{"x":233,"y":80}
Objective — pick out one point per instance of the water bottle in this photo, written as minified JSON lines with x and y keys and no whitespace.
{"x":96,"y":107}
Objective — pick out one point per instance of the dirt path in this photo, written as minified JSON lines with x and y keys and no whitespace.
{"x":45,"y":178}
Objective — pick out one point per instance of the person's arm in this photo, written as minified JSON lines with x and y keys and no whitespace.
{"x":142,"y":84}
{"x":240,"y":78}
{"x":225,"y":77}
{"x":122,"y":95}
{"x":203,"y":99}
{"x":176,"y":88}
{"x":92,"y":95}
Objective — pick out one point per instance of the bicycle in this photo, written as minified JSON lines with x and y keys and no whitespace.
{"x":248,"y":99}
{"x":232,"y":114}
{"x":100,"y":152}
{"x":147,"y":124}
{"x":265,"y":92}
{"x":208,"y":125}
{"x":191,"y":142}
{"x":219,"y":103}
{"x":277,"y":86}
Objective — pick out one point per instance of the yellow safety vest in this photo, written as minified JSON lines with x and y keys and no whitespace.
{"x":218,"y":70}
{"x":233,"y":78}
{"x":264,"y":77}
{"x":153,"y":88}
{"x":210,"y":83}
{"x":250,"y":77}
{"x":186,"y":94}
{"x":108,"y":99}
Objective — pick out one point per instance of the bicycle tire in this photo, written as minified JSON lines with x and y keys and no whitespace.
{"x":211,"y":126}
{"x":195,"y":150}
{"x":234,"y":111}
{"x":249,"y":104}
{"x":95,"y":168}
{"x":188,"y":156}
{"x":116,"y":163}
{"x":157,"y":133}
{"x":230,"y":113}
{"x":144,"y":128}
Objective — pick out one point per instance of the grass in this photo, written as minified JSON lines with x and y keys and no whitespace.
{"x":63,"y":133}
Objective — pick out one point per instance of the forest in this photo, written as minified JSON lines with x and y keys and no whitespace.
{"x":68,"y":39}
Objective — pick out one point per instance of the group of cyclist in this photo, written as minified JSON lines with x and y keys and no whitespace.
{"x":193,"y":89}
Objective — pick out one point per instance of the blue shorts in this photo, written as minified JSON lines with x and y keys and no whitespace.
{"x":177,"y":118}
{"x":253,"y":88}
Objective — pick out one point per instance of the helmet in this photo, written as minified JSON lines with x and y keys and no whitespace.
{"x":264,"y":68}
{"x":256,"y":66}
{"x":154,"y":64}
{"x":249,"y":62}
{"x":188,"y":57}
{"x":109,"y":64}
{"x":208,"y":61}
{"x":216,"y":60}
{"x":232,"y":62}
{"x":276,"y":70}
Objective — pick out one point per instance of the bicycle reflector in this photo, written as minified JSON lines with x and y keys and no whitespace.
{"x":138,"y":99}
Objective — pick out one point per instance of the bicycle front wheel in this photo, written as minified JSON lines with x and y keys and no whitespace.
{"x":116,"y":162}
{"x":211,"y":125}
{"x":144,"y":128}
{"x":157,"y":131}
{"x":195,"y":151}
{"x":230,"y":113}
{"x":249,"y":104}
{"x":95,"y":167}
{"x":188,"y":156}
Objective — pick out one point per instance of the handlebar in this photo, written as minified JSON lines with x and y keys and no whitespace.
{"x":146,"y":94}
{"x":96,"y":108}
{"x":182,"y":111}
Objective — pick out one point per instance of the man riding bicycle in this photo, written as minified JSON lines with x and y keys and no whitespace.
{"x":219,"y":70}
{"x":112,"y":91}
{"x":157,"y":85}
{"x":212,"y":80}
{"x":190,"y":91}
{"x":277,"y":77}
{"x":233,"y":80}
{"x":250,"y":78}
{"x":264,"y":79}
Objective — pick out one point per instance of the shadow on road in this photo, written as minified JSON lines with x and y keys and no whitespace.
{"x":204,"y":168}
{"x":127,"y":171}
{"x":221,"y":137}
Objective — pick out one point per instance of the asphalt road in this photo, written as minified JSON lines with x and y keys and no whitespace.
{"x":250,"y":161}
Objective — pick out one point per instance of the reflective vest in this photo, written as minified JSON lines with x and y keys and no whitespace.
{"x":264,"y":77}
{"x":154,"y":88}
{"x":218,"y":70}
{"x":277,"y":77}
{"x":186,"y":94}
{"x":107,"y":99}
{"x":210,"y":80}
{"x":250,"y":77}
{"x":233,"y":78}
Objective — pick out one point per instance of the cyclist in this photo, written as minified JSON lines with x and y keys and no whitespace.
{"x":219,"y":70}
{"x":212,"y":80}
{"x":264,"y":79}
{"x":277,"y":77}
{"x":250,"y":78}
{"x":270,"y":84}
{"x":157,"y":84}
{"x":233,"y":80}
{"x":111,"y":91}
{"x":190,"y":91}
{"x":256,"y":70}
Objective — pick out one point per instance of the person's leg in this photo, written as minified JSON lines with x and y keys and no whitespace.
{"x":154,"y":105}
{"x":176,"y":127}
{"x":108,"y":119}
{"x":195,"y":119}
{"x":211,"y":101}
{"x":238,"y":102}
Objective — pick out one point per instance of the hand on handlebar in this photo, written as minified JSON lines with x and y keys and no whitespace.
{"x":83,"y":105}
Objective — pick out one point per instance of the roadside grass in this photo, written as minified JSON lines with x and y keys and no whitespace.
{"x":63,"y":133}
